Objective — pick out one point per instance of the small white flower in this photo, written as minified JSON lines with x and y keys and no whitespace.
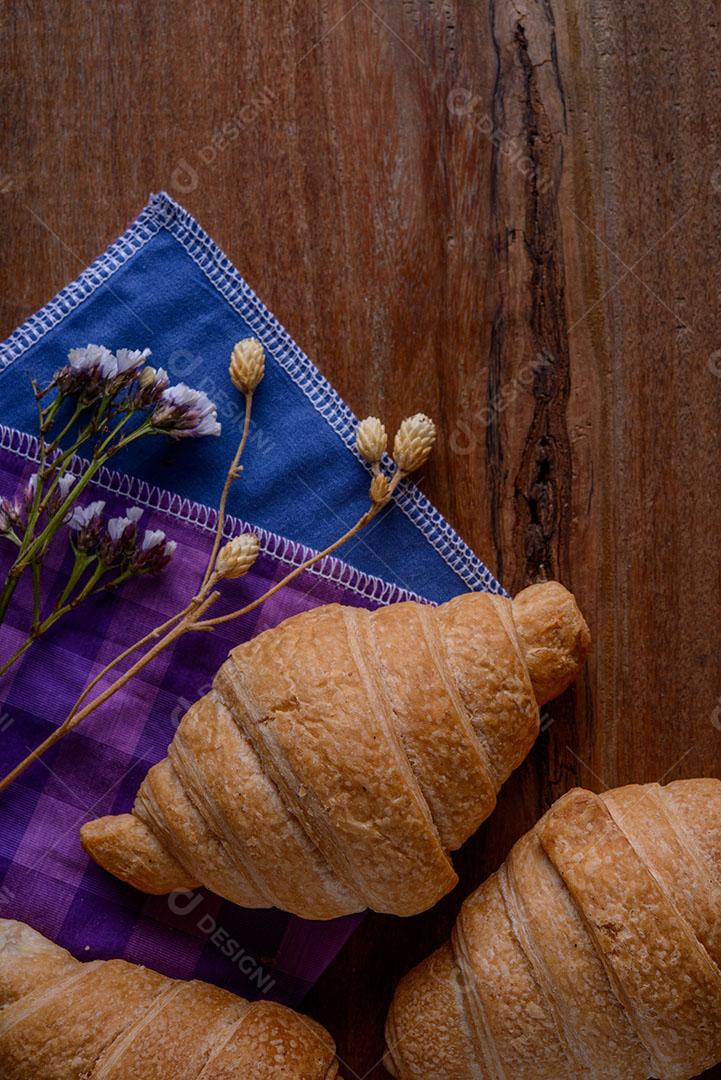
{"x":170,"y":547}
{"x":184,"y":412}
{"x":129,"y":359}
{"x":93,"y":357}
{"x":152,"y":538}
{"x":188,"y":398}
{"x":82,"y":516}
{"x":65,"y":482}
{"x":118,"y":525}
{"x":207,"y":425}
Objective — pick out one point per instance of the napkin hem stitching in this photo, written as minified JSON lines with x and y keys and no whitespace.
{"x":225,"y":277}
{"x":133,"y":240}
{"x":274,"y":545}
{"x":162,"y":211}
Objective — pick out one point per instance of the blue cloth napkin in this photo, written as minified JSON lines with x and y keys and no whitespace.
{"x":166,"y":285}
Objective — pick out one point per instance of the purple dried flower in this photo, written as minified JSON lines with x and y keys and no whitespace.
{"x":58,"y":496}
{"x":94,"y":370}
{"x":186,"y":413}
{"x":151,"y":384}
{"x":92,"y":359}
{"x":87,"y":522}
{"x":118,"y":527}
{"x":155,"y":552}
{"x":127,"y":360}
{"x":121,"y":536}
{"x":9,"y":516}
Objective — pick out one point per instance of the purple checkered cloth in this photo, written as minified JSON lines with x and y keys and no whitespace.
{"x":45,"y":878}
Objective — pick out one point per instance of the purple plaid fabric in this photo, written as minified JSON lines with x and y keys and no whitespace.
{"x":45,"y":878}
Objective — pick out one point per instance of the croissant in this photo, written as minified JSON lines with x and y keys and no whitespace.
{"x":340,"y":756}
{"x":110,"y":1020}
{"x":593,"y":952}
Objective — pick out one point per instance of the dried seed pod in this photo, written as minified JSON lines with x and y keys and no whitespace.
{"x":371,"y":439}
{"x":247,"y":365}
{"x":413,"y":442}
{"x":238,"y":555}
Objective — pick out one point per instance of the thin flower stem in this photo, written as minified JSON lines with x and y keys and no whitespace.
{"x":80,"y":566}
{"x":7,"y":594}
{"x":154,"y":633}
{"x":106,"y":450}
{"x":75,"y":718}
{"x":232,"y":475}
{"x":40,"y":628}
{"x":20,"y":651}
{"x":77,"y":411}
{"x":186,"y":621}
{"x":361,"y":523}
{"x":37,"y":573}
{"x":208,"y":578}
{"x":63,"y":605}
{"x":37,"y":494}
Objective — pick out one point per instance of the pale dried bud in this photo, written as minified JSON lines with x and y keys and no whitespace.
{"x":413,"y":442}
{"x":380,"y":488}
{"x":147,"y":377}
{"x":371,"y":439}
{"x":238,"y":555}
{"x":247,"y":365}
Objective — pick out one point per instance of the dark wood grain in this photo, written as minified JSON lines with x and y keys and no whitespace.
{"x":506,"y":214}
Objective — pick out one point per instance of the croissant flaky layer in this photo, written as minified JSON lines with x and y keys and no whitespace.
{"x":342,"y":755}
{"x":594,"y":951}
{"x":110,"y":1020}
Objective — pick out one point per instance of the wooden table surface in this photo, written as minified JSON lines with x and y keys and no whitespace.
{"x":505,"y":214}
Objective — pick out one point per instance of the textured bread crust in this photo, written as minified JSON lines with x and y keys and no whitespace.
{"x":593,"y":952}
{"x":341,"y":756}
{"x":110,"y":1020}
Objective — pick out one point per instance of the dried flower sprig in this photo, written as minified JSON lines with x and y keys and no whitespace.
{"x":237,"y":556}
{"x":371,"y":439}
{"x":106,"y":554}
{"x":98,"y":403}
{"x":247,"y":365}
{"x":412,"y":447}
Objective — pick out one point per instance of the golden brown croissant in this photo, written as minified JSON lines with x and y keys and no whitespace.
{"x":110,"y":1020}
{"x":340,"y":756}
{"x":593,"y":952}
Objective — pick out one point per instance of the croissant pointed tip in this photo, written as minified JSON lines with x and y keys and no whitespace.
{"x":126,"y":847}
{"x":554,"y":635}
